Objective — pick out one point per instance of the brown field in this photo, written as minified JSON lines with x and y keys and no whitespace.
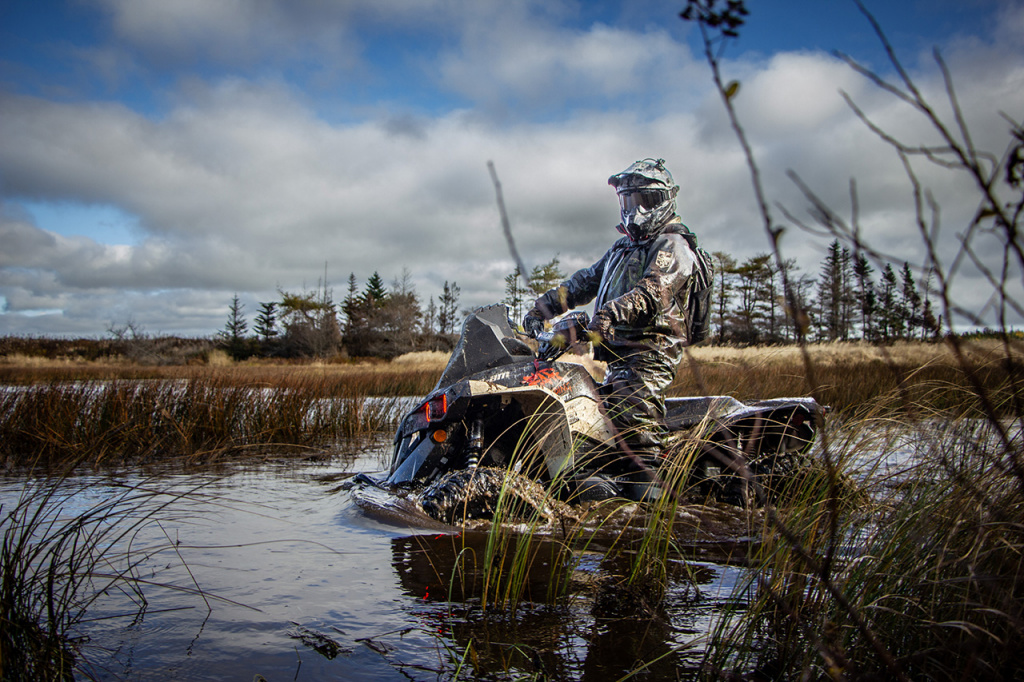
{"x":114,"y":411}
{"x":847,"y":376}
{"x":408,"y":375}
{"x":842,"y":375}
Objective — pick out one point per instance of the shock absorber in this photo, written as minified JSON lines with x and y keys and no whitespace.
{"x":475,"y":443}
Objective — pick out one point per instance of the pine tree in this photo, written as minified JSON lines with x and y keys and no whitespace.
{"x":725,"y":269}
{"x":802,"y":292}
{"x":931,"y":325}
{"x":266,"y":321}
{"x":890,"y":322}
{"x":546,"y":277}
{"x":400,"y":315}
{"x":515,"y":294}
{"x":310,"y":322}
{"x":449,"y":308}
{"x":835,"y":300}
{"x":429,"y":317}
{"x":750,"y":314}
{"x":910,"y":302}
{"x":351,"y":306}
{"x":232,"y":337}
{"x":236,"y":325}
{"x":866,"y":295}
{"x":768,"y":286}
{"x":375,"y":294}
{"x":794,"y":320}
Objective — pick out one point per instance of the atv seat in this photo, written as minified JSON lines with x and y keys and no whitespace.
{"x":681,"y":413}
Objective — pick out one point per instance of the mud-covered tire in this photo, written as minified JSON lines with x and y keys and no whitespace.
{"x":774,"y":473}
{"x":771,"y":473}
{"x":481,"y":493}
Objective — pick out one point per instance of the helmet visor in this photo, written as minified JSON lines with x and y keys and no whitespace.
{"x":647,"y":198}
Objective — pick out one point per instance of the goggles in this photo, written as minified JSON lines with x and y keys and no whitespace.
{"x":646,"y":198}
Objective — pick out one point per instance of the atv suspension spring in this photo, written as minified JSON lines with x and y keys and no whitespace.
{"x":475,"y":444}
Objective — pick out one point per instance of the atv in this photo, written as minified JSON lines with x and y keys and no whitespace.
{"x":502,"y":404}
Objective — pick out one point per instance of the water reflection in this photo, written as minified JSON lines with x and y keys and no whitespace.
{"x":251,"y":567}
{"x":597,"y":629}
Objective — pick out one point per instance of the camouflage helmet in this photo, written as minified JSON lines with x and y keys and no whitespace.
{"x":647,"y":196}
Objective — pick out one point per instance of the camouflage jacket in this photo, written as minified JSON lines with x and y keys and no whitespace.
{"x":642,"y":288}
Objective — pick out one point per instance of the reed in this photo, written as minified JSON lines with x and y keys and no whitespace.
{"x":201,"y":419}
{"x":923,"y":582}
{"x":413,"y":376}
{"x":55,"y":565}
{"x":846,"y":376}
{"x":513,"y":554}
{"x":860,"y":570}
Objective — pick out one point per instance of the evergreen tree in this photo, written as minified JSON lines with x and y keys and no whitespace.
{"x":430,"y":317}
{"x":310,"y":322}
{"x":725,"y":270}
{"x":375,"y":294}
{"x":236,"y":325}
{"x":351,"y":306}
{"x":802,"y":291}
{"x":793,"y":321}
{"x":866,"y":296}
{"x":546,"y":277}
{"x":773,"y":306}
{"x":232,"y":337}
{"x":835,"y":299}
{"x":749,"y":317}
{"x":890,"y":322}
{"x":910,"y":302}
{"x":449,"y":307}
{"x":515,"y":294}
{"x":401,"y":315}
{"x":266,"y":322}
{"x":931,"y":325}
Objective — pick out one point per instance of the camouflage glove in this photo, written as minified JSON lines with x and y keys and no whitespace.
{"x":533,"y":323}
{"x":600,"y":329}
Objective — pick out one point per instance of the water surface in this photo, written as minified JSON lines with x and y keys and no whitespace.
{"x":274,"y":571}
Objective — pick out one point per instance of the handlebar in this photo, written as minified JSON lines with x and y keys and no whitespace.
{"x":566,"y":332}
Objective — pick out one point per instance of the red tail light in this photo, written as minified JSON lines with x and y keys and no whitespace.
{"x":436,"y":408}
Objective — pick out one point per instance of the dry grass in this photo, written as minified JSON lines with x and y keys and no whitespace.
{"x":919,"y":580}
{"x":370,"y":378}
{"x":847,"y":376}
{"x":843,"y":375}
{"x":189,"y":421}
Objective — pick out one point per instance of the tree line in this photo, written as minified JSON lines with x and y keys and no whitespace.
{"x":752,"y":303}
{"x":760,"y":301}
{"x":373,"y":321}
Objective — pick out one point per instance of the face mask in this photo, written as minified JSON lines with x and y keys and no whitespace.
{"x":642,"y":209}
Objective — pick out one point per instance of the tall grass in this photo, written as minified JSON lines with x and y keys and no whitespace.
{"x":923,"y":582}
{"x":847,"y":376}
{"x":898,"y":555}
{"x":199,"y":419}
{"x":416,"y":376}
{"x":54,"y":564}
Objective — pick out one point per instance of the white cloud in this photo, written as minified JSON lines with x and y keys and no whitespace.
{"x":538,"y":67}
{"x":241,"y":186}
{"x":233,"y":31}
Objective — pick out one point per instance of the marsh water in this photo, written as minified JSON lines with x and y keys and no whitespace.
{"x":273,"y":571}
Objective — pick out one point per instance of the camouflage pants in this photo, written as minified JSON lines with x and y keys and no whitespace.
{"x":632,"y":394}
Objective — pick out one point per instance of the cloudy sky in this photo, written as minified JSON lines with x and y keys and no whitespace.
{"x":159,"y":156}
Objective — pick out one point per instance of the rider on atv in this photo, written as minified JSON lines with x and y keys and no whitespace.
{"x":649,"y":289}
